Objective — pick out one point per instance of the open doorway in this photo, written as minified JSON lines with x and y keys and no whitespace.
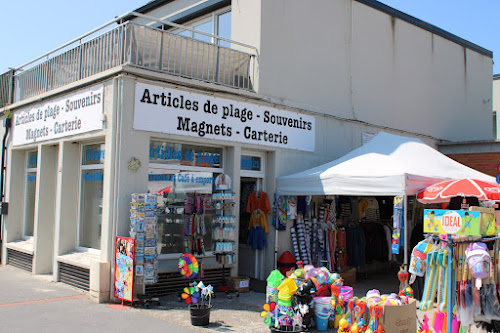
{"x":250,"y":261}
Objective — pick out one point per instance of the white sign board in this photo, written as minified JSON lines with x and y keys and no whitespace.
{"x":180,"y":112}
{"x":77,"y":113}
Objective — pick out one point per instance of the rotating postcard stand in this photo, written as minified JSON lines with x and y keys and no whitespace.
{"x":143,"y":230}
{"x":223,"y":227}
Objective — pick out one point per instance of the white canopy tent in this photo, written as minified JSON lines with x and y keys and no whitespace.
{"x":387,"y":165}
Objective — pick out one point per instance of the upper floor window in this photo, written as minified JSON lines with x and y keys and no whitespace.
{"x":216,"y":23}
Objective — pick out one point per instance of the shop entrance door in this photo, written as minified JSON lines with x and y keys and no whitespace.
{"x":250,"y":261}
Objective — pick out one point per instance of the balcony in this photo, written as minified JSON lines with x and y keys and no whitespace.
{"x":134,"y":45}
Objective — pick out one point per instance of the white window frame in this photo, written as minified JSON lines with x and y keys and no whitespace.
{"x":182,"y":168}
{"x":35,"y":170}
{"x":212,"y":17}
{"x":83,"y":168}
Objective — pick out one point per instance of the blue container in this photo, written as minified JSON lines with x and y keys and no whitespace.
{"x":322,"y":322}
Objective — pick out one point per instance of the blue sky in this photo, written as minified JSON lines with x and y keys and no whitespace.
{"x":30,"y":28}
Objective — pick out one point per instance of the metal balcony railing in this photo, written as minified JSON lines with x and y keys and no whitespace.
{"x":134,"y":45}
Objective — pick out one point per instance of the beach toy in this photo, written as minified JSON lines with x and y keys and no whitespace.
{"x":190,"y":295}
{"x":478,"y":259}
{"x":337,"y":305}
{"x":287,"y":288}
{"x":268,"y":313}
{"x":376,"y":312}
{"x":346,"y":293}
{"x":444,"y":261}
{"x":299,"y":273}
{"x":305,"y":288}
{"x":274,"y":279}
{"x":188,"y":266}
{"x":343,"y":326}
{"x":373,"y":297}
{"x":438,"y":321}
{"x":271,"y":294}
{"x":360,"y":324}
{"x":430,"y":282}
{"x":424,"y":327}
{"x":310,"y":271}
{"x":323,"y":275}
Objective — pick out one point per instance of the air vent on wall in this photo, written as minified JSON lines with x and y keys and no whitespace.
{"x":20,"y":260}
{"x":171,"y":283}
{"x":74,"y":276}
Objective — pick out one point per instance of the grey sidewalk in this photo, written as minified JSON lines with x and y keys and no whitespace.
{"x":34,"y":304}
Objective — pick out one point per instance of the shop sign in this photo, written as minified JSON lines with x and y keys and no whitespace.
{"x":164,"y":152}
{"x":250,"y":163}
{"x":180,"y":112}
{"x":455,"y":222}
{"x":80,"y":112}
{"x":180,"y":182}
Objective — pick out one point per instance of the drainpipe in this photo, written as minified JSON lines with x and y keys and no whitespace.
{"x":4,"y":205}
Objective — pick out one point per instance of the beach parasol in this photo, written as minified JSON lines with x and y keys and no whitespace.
{"x":444,"y":191}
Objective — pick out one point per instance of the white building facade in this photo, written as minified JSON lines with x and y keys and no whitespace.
{"x":285,"y":87}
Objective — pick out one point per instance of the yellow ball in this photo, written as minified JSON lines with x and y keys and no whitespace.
{"x":354,"y":328}
{"x":343,"y":324}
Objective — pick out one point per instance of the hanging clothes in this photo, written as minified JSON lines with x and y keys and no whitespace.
{"x":258,"y":218}
{"x":355,"y":245}
{"x":372,"y":210}
{"x":257,"y":238}
{"x":256,"y":201}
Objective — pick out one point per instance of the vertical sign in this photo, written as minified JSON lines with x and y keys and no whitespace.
{"x":124,"y":268}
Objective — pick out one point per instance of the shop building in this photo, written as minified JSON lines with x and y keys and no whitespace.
{"x":252,"y":92}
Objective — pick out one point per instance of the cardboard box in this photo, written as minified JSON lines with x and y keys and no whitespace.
{"x":239,"y":283}
{"x":400,"y":319}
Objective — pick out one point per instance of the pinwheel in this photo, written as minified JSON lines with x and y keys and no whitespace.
{"x":268,"y":313}
{"x":207,"y":291}
{"x":190,"y":295}
{"x":188,"y":266}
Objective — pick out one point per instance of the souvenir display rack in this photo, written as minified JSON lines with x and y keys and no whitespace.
{"x":223,"y":227}
{"x":143,"y":228}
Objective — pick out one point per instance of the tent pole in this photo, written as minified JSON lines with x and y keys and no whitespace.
{"x":276,"y":249}
{"x":405,"y":210}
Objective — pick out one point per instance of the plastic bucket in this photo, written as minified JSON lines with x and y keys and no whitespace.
{"x":323,"y":305}
{"x":271,"y":294}
{"x":346,"y":293}
{"x":200,"y":316}
{"x":285,"y":300}
{"x":322,"y":321}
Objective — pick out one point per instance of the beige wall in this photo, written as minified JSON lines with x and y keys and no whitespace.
{"x":348,"y":60}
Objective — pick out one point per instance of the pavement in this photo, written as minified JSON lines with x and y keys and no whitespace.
{"x":34,"y":303}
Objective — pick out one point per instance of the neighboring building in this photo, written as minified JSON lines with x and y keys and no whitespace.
{"x":298,"y":85}
{"x":483,"y":156}
{"x":496,"y":106}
